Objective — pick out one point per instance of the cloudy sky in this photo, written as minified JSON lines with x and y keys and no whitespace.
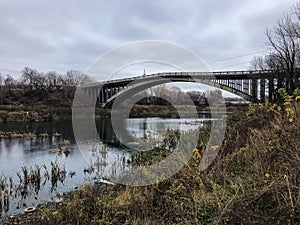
{"x":71,"y":34}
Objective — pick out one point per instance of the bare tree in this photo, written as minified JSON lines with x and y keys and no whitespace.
{"x":73,"y":77}
{"x":296,"y":13}
{"x":85,"y":80}
{"x":51,"y":79}
{"x":285,"y":43}
{"x":197,"y":97}
{"x":9,"y":81}
{"x":29,"y":77}
{"x":214,"y":96}
{"x":160,"y":90}
{"x":283,"y":39}
{"x":258,"y":63}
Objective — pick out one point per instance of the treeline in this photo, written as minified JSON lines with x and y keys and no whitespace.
{"x":38,"y":80}
{"x":163,"y":95}
{"x":33,"y":86}
{"x":284,"y":54}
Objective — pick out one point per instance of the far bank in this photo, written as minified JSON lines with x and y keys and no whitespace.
{"x":47,"y":113}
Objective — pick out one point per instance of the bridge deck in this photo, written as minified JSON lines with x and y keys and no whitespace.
{"x":222,"y":75}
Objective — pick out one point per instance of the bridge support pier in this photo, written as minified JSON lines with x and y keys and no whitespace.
{"x":271,"y":89}
{"x":93,"y":93}
{"x":105,"y":94}
{"x":254,"y":88}
{"x":101,"y":100}
{"x":246,"y":86}
{"x":262,"y":90}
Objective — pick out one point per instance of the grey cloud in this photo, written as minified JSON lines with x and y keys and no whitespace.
{"x":72,"y":34}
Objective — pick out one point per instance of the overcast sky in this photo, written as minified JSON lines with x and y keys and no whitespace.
{"x":71,"y":34}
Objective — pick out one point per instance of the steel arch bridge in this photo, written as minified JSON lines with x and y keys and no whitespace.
{"x":252,"y":85}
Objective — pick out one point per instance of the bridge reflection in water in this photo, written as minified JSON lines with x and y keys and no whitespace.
{"x":141,"y":127}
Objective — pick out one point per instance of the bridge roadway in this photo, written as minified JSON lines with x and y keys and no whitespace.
{"x":253,"y":85}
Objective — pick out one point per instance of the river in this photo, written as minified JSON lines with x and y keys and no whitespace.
{"x":50,"y":144}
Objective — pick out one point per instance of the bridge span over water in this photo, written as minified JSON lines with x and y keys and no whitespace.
{"x":252,"y":85}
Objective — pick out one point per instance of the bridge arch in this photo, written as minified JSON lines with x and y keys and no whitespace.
{"x":141,"y":86}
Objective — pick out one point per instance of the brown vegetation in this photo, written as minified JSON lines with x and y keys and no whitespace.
{"x":254,"y":180}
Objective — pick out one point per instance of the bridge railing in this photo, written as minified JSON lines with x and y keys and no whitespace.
{"x":167,"y":74}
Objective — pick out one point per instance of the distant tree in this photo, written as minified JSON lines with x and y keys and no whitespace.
{"x":273,"y":62}
{"x":29,"y":77}
{"x":51,"y":79}
{"x":9,"y":81}
{"x":160,"y":90}
{"x":175,"y":94}
{"x":258,"y":63}
{"x":197,"y":97}
{"x":73,"y":77}
{"x":85,"y":80}
{"x":61,"y":80}
{"x":41,"y":81}
{"x":214,"y":96}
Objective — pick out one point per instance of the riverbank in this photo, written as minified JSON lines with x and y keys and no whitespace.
{"x":255,"y":179}
{"x":40,"y":113}
{"x":45,"y":113}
